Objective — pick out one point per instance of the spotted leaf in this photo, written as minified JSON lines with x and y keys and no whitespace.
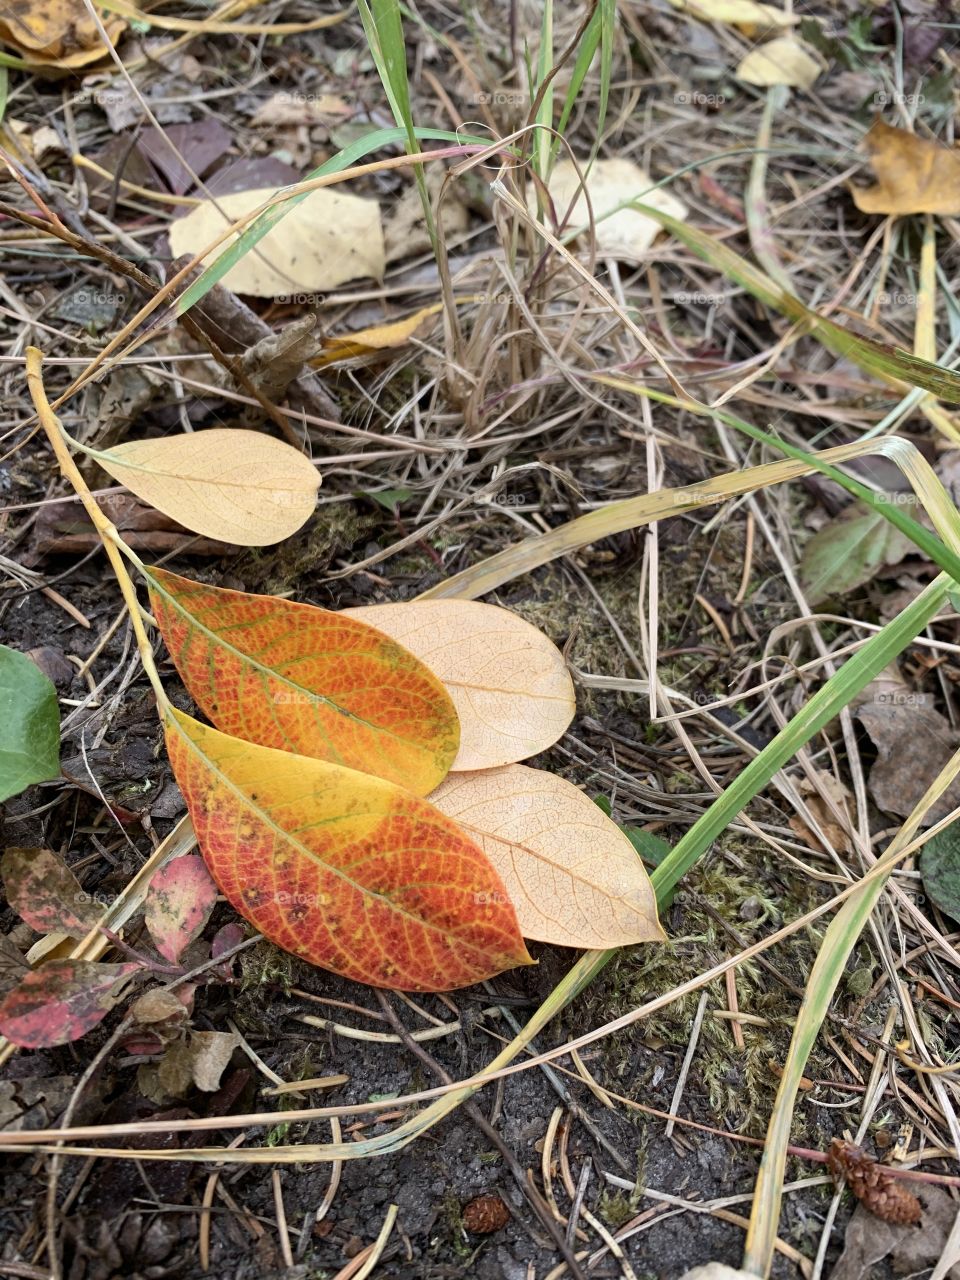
{"x":348,"y":871}
{"x":46,"y":893}
{"x":179,"y":900}
{"x":61,"y":1001}
{"x":306,"y":680}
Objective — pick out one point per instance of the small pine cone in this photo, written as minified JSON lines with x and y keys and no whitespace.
{"x":872,"y":1184}
{"x":485,"y":1214}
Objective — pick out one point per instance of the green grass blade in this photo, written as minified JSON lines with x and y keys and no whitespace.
{"x":585,"y":55}
{"x":544,"y":116}
{"x":599,"y":32}
{"x":829,"y":967}
{"x":892,"y":364}
{"x":383,"y":27}
{"x":857,"y":672}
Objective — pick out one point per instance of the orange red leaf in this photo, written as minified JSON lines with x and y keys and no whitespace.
{"x":346,"y":870}
{"x":61,"y":1001}
{"x":297,"y":678}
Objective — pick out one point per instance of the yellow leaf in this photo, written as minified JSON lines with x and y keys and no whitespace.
{"x":751,"y":18}
{"x":509,"y":683}
{"x":914,"y":175}
{"x":381,"y":337}
{"x":55,"y":33}
{"x":625,"y":234}
{"x":782,"y":61}
{"x":239,"y":486}
{"x":325,"y":239}
{"x":572,"y":875}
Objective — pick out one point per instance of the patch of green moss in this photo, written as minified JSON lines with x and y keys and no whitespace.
{"x":265,"y":966}
{"x":726,"y":1085}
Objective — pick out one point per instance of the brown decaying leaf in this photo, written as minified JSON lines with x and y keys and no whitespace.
{"x":13,"y":965}
{"x":914,"y":175}
{"x":200,"y":144}
{"x":43,"y":890}
{"x":872,"y":1185}
{"x":869,"y":1240}
{"x":837,"y":835}
{"x":509,"y":683}
{"x":179,"y":900}
{"x":914,"y":742}
{"x":243,"y":487}
{"x":61,"y":1001}
{"x":61,"y":531}
{"x":573,"y":877}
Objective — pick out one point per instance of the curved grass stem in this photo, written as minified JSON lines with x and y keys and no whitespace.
{"x":109,"y":534}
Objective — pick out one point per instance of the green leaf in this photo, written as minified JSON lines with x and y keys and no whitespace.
{"x":29,"y":724}
{"x":940,"y":870}
{"x":389,"y":499}
{"x":848,"y":551}
{"x":651,"y":848}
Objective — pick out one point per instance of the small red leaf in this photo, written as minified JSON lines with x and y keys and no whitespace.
{"x":179,"y":900}
{"x":61,"y":1001}
{"x":44,"y":891}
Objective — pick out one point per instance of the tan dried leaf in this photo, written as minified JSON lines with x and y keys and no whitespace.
{"x":573,"y":877}
{"x":156,"y":1005}
{"x":284,"y":108}
{"x":625,"y":234}
{"x":199,"y":1060}
{"x":749,"y":16}
{"x":509,"y":683}
{"x":239,"y":486}
{"x":782,"y":61}
{"x":323,"y":240}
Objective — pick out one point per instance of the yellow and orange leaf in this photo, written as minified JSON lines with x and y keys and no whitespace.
{"x":348,"y":871}
{"x":381,"y":337}
{"x":307,"y":680}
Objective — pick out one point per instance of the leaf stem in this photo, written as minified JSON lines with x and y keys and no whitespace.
{"x":109,"y":535}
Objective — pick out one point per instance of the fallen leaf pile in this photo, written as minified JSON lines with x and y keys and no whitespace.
{"x":358,"y":798}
